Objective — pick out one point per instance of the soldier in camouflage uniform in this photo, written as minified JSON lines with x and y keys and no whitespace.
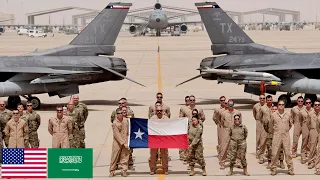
{"x":195,"y":150}
{"x":83,"y":110}
{"x":23,"y":116}
{"x":74,"y":117}
{"x":5,"y":116}
{"x":33,"y":121}
{"x":238,"y":135}
{"x":122,"y":103}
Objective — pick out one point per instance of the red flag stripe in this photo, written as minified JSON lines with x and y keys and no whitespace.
{"x":35,"y":163}
{"x":24,"y":172}
{"x":35,"y":149}
{"x":7,"y":177}
{"x":35,"y":154}
{"x":24,"y":167}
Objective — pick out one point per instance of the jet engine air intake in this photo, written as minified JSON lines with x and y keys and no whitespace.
{"x":157,"y":6}
{"x":132,"y":29}
{"x":183,"y":28}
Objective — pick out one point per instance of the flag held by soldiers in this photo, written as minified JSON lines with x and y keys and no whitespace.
{"x":155,"y":133}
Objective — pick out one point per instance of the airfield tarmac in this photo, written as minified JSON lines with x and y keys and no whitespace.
{"x":177,"y":61}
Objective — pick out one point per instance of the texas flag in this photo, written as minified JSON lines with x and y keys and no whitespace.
{"x":158,"y":133}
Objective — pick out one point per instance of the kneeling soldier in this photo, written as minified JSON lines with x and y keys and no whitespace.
{"x":238,"y":135}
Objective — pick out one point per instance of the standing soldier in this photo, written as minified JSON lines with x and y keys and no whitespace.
{"x":313,"y":136}
{"x":114,"y":113}
{"x":182,"y":109}
{"x":65,"y":110}
{"x":60,"y":128}
{"x":297,"y":131}
{"x":317,"y":125}
{"x":157,"y":104}
{"x":238,"y":145}
{"x":256,"y":111}
{"x":23,"y":116}
{"x":227,"y":122}
{"x":5,"y":116}
{"x":217,"y":119}
{"x":17,"y":131}
{"x":304,"y":119}
{"x":33,"y":121}
{"x":163,"y":151}
{"x":195,"y":151}
{"x":165,"y":108}
{"x":74,"y":116}
{"x":83,"y":110}
{"x":265,"y":115}
{"x":129,"y":110}
{"x":120,"y":150}
{"x":125,"y":115}
{"x":268,"y":127}
{"x":282,"y":123}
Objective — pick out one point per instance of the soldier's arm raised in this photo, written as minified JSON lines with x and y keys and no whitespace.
{"x":50,"y":127}
{"x":117,"y":135}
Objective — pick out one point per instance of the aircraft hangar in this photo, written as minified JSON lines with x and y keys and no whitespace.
{"x":6,"y":18}
{"x":172,"y":13}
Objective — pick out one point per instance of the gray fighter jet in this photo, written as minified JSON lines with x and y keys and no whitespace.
{"x":61,"y":70}
{"x":158,"y":20}
{"x":237,"y":59}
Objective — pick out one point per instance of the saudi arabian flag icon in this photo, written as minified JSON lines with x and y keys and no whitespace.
{"x":70,"y":163}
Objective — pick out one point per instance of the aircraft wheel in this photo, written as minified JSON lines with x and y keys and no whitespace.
{"x":286,"y":98}
{"x":13,"y":101}
{"x":36,"y":103}
{"x":313,"y":97}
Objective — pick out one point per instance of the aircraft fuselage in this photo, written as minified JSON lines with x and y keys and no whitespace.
{"x":158,"y":20}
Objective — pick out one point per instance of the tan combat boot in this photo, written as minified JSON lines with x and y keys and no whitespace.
{"x":112,"y":174}
{"x":124,"y":174}
{"x":269,"y":164}
{"x":291,"y":172}
{"x":318,"y":172}
{"x":245,"y":171}
{"x":282,"y":165}
{"x":230,"y":173}
{"x":191,"y":171}
{"x":311,"y":165}
{"x":273,"y":172}
{"x":204,"y":172}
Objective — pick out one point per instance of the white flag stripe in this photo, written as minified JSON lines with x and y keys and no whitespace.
{"x":168,"y":127}
{"x":26,"y":160}
{"x":34,"y":151}
{"x":23,"y":170}
{"x":24,"y":165}
{"x":35,"y":156}
{"x":22,"y":174}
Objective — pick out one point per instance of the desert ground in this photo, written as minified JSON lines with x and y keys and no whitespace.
{"x":179,"y":59}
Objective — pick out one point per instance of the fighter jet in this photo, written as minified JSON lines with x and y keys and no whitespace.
{"x":158,"y":20}
{"x":238,"y":59}
{"x":60,"y":71}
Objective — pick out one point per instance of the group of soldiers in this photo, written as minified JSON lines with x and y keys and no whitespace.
{"x":272,"y":133}
{"x":19,"y":127}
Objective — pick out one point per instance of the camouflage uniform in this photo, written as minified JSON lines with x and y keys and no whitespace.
{"x":217,"y":119}
{"x":238,"y":144}
{"x":83,"y":110}
{"x":297,"y":131}
{"x":195,"y":152}
{"x":5,"y":116}
{"x":304,"y":120}
{"x":24,"y":116}
{"x":74,"y":138}
{"x":282,"y":124}
{"x":33,"y":121}
{"x":114,"y":114}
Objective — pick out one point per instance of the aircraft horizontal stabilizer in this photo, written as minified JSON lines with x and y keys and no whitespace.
{"x":118,"y":74}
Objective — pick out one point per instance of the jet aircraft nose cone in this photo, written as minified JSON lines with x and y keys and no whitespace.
{"x":158,"y":19}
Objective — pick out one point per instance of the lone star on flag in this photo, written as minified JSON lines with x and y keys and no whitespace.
{"x":139,"y":134}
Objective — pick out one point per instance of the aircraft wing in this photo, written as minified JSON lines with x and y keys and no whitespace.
{"x":135,"y":24}
{"x":44,"y":70}
{"x":179,"y":23}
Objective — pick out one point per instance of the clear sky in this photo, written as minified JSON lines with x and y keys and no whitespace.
{"x":308,"y":8}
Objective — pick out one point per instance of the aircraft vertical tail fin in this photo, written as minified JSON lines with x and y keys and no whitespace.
{"x":226,"y":36}
{"x":105,"y":27}
{"x":98,"y":37}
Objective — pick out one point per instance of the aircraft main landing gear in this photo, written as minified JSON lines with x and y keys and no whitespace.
{"x":158,"y":33}
{"x":286,"y":98}
{"x":13,"y":101}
